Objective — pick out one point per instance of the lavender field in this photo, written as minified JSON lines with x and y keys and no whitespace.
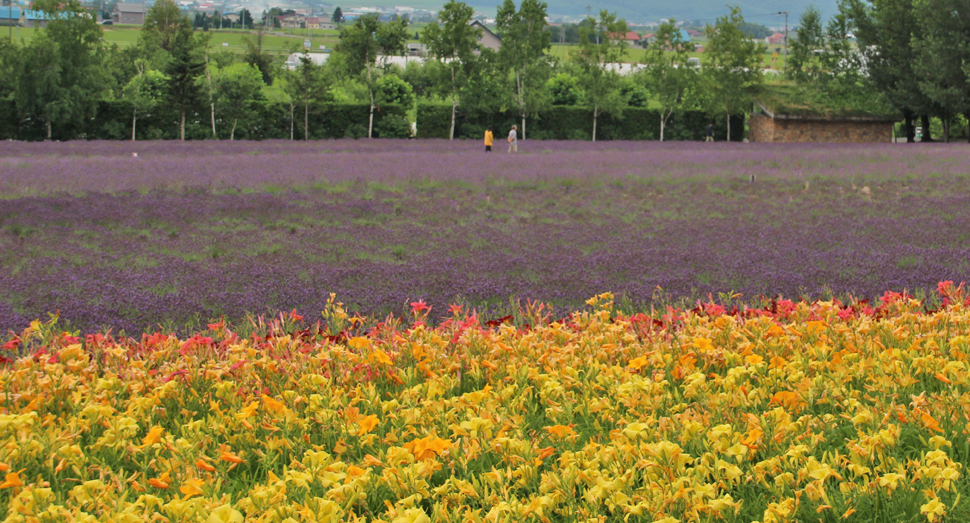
{"x":184,"y":233}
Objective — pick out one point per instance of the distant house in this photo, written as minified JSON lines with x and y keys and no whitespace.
{"x":129,"y":14}
{"x":650,"y":37}
{"x":416,"y":49}
{"x":630,"y":36}
{"x":292,"y":21}
{"x":488,"y":39}
{"x":776,"y":39}
{"x":293,"y":61}
{"x":694,"y":33}
{"x":816,"y":126}
{"x":319,"y":22}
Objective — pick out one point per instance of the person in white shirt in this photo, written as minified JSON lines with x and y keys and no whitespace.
{"x":513,"y":143}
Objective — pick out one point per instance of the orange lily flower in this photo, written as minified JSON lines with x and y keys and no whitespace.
{"x":226,"y":454}
{"x":161,"y":482}
{"x":154,"y":436}
{"x":12,"y":480}
{"x":201,"y":463}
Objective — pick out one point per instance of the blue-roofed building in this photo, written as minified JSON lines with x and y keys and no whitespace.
{"x":22,"y":17}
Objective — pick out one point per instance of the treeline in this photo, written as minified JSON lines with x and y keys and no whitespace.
{"x":174,"y":84}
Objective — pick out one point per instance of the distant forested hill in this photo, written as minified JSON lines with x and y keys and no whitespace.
{"x":759,"y":11}
{"x":699,"y":11}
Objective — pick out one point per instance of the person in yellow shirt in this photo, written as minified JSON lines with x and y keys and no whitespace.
{"x":488,"y":139}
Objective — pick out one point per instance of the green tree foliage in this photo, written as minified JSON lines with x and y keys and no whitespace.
{"x":564,"y":33}
{"x":733,"y":72}
{"x":394,"y":90}
{"x":256,"y":57}
{"x":564,"y":89}
{"x":246,"y":19}
{"x":145,"y":91}
{"x":885,"y":30}
{"x":755,"y":30}
{"x":806,"y":62}
{"x":525,"y":42}
{"x":183,"y":92}
{"x":163,"y":23}
{"x":307,"y":86}
{"x":943,"y":52}
{"x":9,"y":68}
{"x":38,"y":86}
{"x":61,"y":75}
{"x":596,"y":62}
{"x":487,"y":87}
{"x":237,"y":87}
{"x":338,"y":15}
{"x":453,"y":41}
{"x":667,"y":72}
{"x":362,"y":42}
{"x":425,"y":78}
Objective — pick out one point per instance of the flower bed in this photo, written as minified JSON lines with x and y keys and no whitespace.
{"x":795,"y":411}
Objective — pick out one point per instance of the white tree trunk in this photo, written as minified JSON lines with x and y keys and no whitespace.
{"x":48,"y":130}
{"x":454,"y":104}
{"x":595,"y":115}
{"x":370,"y":118}
{"x":291,"y":121}
{"x":212,"y":104}
{"x":232,"y":134}
{"x":729,"y":126}
{"x":518,"y":88}
{"x":182,"y":134}
{"x":306,"y":120}
{"x":134,"y":120}
{"x":663,"y":120}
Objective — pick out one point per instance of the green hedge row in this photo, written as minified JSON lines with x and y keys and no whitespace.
{"x":112,"y":121}
{"x":576,"y":123}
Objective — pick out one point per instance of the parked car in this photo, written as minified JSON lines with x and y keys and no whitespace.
{"x":107,"y":22}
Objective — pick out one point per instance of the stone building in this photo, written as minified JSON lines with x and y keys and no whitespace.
{"x":129,"y":14}
{"x":768,"y":126}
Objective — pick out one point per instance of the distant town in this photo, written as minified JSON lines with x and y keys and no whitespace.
{"x":311,"y":15}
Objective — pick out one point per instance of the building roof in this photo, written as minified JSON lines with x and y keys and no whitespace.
{"x":130,"y":8}
{"x":795,"y":102}
{"x":29,"y":14}
{"x":485,"y":31}
{"x":629,"y":35}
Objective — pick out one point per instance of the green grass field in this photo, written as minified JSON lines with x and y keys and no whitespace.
{"x":125,"y":35}
{"x":291,"y":40}
{"x":636,"y":54}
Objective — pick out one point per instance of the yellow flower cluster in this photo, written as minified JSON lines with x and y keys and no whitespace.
{"x":815,"y":412}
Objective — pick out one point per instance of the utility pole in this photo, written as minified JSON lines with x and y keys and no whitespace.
{"x":562,"y":37}
{"x":786,"y":36}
